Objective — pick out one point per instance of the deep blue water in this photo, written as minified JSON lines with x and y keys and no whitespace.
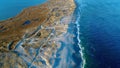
{"x":100,"y":32}
{"x":10,"y":8}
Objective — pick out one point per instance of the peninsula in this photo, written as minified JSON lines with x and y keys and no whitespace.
{"x":30,"y":38}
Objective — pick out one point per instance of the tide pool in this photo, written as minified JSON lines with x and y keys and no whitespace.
{"x":10,"y":8}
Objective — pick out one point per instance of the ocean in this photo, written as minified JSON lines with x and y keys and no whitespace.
{"x":99,"y":33}
{"x":10,"y":8}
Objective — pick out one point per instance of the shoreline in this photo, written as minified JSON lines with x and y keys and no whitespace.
{"x":22,"y":11}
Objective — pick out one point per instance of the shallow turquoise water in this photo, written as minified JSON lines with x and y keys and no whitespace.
{"x":10,"y":8}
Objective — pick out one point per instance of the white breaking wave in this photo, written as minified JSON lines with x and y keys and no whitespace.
{"x":78,"y":36}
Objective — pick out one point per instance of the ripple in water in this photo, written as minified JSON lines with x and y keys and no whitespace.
{"x":100,"y":33}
